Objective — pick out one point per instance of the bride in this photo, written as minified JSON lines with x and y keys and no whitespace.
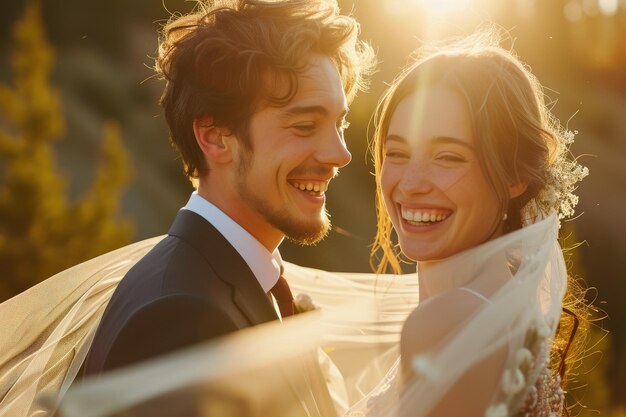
{"x":473,"y":175}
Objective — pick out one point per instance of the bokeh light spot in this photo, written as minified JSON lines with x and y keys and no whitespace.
{"x":608,"y":7}
{"x":573,"y":12}
{"x":591,"y":7}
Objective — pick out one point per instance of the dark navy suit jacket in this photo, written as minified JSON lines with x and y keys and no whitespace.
{"x":191,"y":287}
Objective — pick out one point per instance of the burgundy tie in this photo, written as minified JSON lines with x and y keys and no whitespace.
{"x":282,"y":294}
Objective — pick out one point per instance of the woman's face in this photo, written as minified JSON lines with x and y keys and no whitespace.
{"x":436,"y":194}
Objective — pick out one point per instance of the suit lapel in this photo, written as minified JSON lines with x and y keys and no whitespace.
{"x":227,"y":264}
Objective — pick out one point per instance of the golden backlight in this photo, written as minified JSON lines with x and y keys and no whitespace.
{"x":439,"y":7}
{"x":430,"y":7}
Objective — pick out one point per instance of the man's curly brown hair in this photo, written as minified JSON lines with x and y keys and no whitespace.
{"x":216,"y":61}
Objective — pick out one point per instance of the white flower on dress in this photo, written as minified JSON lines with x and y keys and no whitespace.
{"x":499,"y":410}
{"x":303,"y":303}
{"x":523,"y":358}
{"x":513,"y":381}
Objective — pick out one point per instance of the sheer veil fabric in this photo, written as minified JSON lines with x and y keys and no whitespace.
{"x":273,"y":369}
{"x":47,"y":330}
{"x":519,"y":317}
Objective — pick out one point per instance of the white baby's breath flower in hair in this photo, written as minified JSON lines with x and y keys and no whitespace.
{"x":568,"y":136}
{"x":563,"y":174}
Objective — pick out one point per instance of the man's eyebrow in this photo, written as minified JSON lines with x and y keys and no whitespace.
{"x":437,"y":140}
{"x":299,"y":110}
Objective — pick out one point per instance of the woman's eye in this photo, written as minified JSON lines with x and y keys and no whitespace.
{"x":450,"y":158}
{"x":395,"y":154}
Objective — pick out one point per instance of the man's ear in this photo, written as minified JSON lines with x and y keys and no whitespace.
{"x":211,"y":139}
{"x":518,"y":189}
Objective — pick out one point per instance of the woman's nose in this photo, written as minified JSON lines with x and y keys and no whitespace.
{"x":416,"y":178}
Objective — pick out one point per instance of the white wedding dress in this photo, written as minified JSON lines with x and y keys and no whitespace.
{"x":269,"y":369}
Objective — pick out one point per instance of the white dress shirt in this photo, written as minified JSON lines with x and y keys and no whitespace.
{"x":266,"y":266}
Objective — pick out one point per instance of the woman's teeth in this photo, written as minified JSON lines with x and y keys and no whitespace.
{"x":417,"y":217}
{"x":313,"y":187}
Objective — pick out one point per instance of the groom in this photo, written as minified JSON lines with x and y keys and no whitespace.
{"x":256,"y":97}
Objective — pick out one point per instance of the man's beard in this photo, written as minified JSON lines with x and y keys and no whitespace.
{"x":301,"y":231}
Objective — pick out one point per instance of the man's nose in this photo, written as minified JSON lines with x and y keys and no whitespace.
{"x":334,"y":151}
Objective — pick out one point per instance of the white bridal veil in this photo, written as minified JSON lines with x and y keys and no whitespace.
{"x":340,"y":359}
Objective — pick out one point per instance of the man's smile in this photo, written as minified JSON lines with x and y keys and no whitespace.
{"x":312,"y":187}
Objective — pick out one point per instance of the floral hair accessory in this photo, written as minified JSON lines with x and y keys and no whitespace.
{"x":562,"y":176}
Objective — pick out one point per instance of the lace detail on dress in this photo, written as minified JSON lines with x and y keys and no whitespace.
{"x":546,"y":398}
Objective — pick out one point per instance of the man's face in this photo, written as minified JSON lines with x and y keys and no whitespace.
{"x":296,"y":151}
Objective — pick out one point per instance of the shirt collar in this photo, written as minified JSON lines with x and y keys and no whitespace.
{"x":266,"y":266}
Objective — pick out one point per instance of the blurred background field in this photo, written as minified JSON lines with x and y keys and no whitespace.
{"x":85,"y":163}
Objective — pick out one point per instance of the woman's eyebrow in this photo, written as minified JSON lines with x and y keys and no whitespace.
{"x":444,"y":140}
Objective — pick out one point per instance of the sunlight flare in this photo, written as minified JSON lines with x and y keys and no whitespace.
{"x":431,"y":7}
{"x":439,"y":7}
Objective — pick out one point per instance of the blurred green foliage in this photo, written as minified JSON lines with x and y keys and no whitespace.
{"x":41,"y":230}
